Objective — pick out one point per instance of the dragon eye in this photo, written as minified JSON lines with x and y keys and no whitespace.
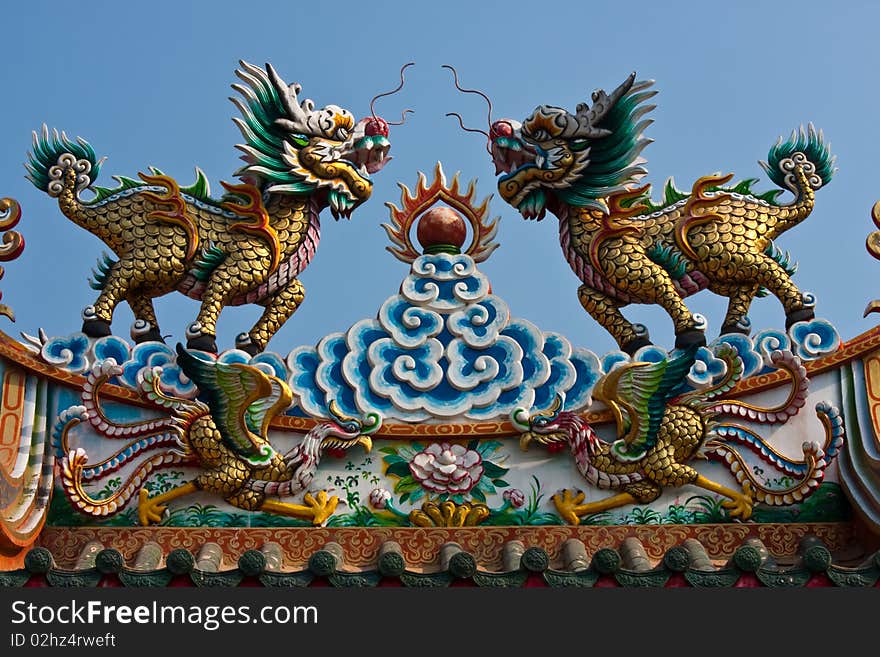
{"x":300,"y":140}
{"x":350,"y":427}
{"x":540,"y":135}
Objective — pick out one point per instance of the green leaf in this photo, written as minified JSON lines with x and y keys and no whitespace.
{"x":473,"y":444}
{"x":389,"y":450}
{"x":500,"y":483}
{"x":406,"y":485}
{"x":485,"y":485}
{"x":477,"y":494}
{"x":487,"y":447}
{"x":492,"y":471}
{"x":399,"y":469}
{"x":404,"y":497}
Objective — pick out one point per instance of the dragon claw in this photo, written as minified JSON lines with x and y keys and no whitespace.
{"x":148,"y":510}
{"x":566,"y":503}
{"x":321,"y":506}
{"x":741,"y":505}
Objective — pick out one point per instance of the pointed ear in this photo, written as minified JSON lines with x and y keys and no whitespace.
{"x":288,"y":95}
{"x":587,"y":118}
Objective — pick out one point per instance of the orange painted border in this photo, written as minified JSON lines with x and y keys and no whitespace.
{"x":420,"y":546}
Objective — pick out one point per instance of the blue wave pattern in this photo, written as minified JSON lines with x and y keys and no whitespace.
{"x":443,"y":347}
{"x":77,"y":353}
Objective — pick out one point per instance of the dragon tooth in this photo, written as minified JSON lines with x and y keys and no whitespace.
{"x":334,"y":206}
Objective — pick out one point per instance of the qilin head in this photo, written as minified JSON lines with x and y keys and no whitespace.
{"x":556,"y":157}
{"x":291,"y":146}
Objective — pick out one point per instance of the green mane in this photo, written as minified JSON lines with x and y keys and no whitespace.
{"x":260,"y":107}
{"x":614,"y":159}
{"x":672,"y":195}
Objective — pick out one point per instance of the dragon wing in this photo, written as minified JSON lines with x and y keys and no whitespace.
{"x":612,"y":132}
{"x":641,"y":390}
{"x":242,"y":400}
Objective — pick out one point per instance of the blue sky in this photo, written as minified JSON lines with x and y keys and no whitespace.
{"x":147,"y":84}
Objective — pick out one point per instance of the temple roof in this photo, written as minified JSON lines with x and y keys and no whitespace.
{"x":660,"y":556}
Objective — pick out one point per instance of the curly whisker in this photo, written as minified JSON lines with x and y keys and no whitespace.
{"x":466,"y":129}
{"x":402,"y":117}
{"x":470,"y":91}
{"x":393,"y":91}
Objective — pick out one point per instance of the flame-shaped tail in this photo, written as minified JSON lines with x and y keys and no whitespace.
{"x":100,"y":374}
{"x":167,"y":434}
{"x":74,"y":464}
{"x":724,"y":442}
{"x":784,"y":360}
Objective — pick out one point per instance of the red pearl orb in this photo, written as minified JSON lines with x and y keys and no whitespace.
{"x":441,"y":226}
{"x":376,"y":126}
{"x":500,"y":129}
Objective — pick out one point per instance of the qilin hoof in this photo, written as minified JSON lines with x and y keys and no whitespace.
{"x":635,"y":344}
{"x":148,"y":511}
{"x":735,"y":328}
{"x":96,"y":328}
{"x":247,"y":345}
{"x":566,"y":503}
{"x":689,"y":338}
{"x":143,"y":332}
{"x":322,"y":506}
{"x":202,"y":342}
{"x":795,"y":316}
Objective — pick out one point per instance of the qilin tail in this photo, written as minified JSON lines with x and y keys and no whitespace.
{"x":63,"y":168}
{"x":802,"y":164}
{"x":801,"y":477}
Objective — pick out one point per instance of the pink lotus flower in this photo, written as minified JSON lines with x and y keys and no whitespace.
{"x":444,"y":468}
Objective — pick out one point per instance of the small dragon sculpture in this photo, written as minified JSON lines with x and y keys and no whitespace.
{"x":661,"y":428}
{"x":625,"y":249}
{"x":225,"y":436}
{"x":248,"y":246}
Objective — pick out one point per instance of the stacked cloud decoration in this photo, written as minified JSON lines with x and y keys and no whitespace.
{"x":157,"y":354}
{"x":67,"y":352}
{"x":442,"y":348}
{"x":814,"y":339}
